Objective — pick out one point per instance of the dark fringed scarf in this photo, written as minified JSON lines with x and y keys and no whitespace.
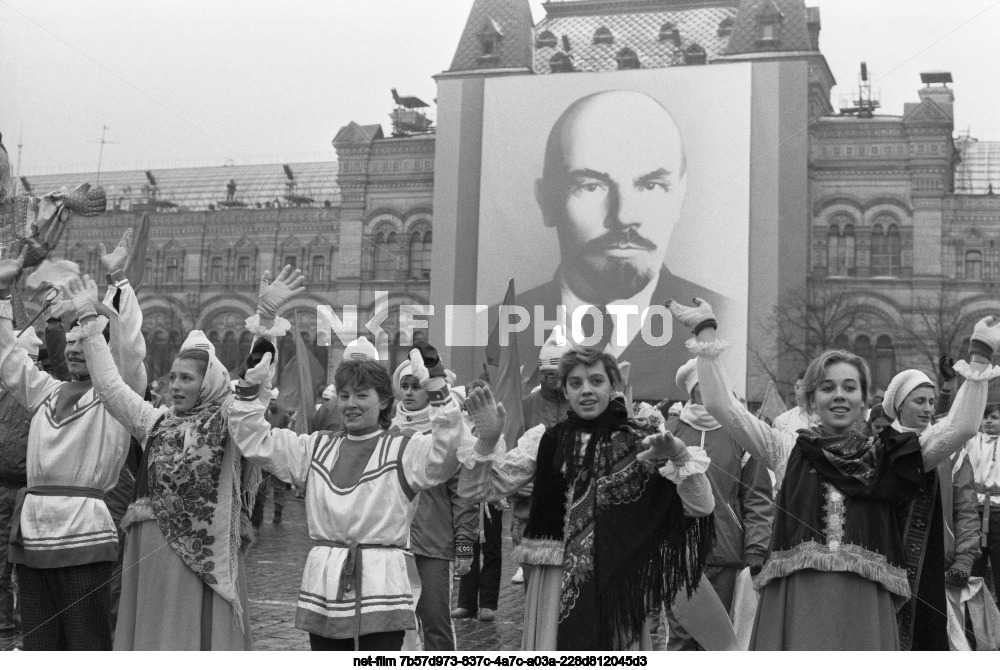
{"x":628,"y":547}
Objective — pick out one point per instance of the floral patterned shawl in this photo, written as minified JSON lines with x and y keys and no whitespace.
{"x":196,"y":487}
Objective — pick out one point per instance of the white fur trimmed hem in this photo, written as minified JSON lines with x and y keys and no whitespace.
{"x":534,"y":551}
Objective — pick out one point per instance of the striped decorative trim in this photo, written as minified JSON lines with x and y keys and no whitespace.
{"x":62,"y":557}
{"x":50,"y":412}
{"x":344,"y":627}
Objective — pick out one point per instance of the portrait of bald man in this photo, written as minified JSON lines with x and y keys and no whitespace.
{"x":612,"y":186}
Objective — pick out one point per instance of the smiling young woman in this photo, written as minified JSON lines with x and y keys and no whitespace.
{"x":608,"y":539}
{"x":836,"y":570}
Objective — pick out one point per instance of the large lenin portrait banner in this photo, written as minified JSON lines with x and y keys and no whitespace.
{"x":604,"y":195}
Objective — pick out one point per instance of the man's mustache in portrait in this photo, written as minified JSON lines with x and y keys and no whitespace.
{"x":616,"y":239}
{"x":623,"y":277}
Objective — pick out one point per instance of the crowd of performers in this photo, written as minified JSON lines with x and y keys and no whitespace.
{"x":859,"y":526}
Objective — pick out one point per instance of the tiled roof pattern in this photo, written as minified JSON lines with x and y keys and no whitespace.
{"x":792,"y":33}
{"x":979,"y":169}
{"x":197,"y":188}
{"x":636,"y":30}
{"x":513,"y":20}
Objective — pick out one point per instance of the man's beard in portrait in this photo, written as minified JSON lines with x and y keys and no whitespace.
{"x":616,"y":278}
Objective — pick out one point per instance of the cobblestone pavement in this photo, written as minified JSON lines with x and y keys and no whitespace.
{"x":274,"y":569}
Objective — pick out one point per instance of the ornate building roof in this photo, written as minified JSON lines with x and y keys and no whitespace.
{"x":197,"y":188}
{"x":497,"y":35}
{"x":601,"y":36}
{"x":793,"y":27}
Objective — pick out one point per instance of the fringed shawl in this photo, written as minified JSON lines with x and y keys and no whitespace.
{"x":619,"y":531}
{"x":200,"y":490}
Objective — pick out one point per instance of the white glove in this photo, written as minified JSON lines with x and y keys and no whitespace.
{"x":697,"y":317}
{"x":116,"y":262}
{"x":83,"y":296}
{"x":987,"y":334}
{"x":419,"y":370}
{"x":663,"y":446}
{"x":488,"y":415}
{"x":274,"y":294}
{"x":259,"y":373}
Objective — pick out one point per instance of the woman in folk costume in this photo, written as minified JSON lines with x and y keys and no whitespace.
{"x":836,"y":570}
{"x":445,"y":526}
{"x":927,"y":521}
{"x":983,"y":454}
{"x":193,"y":493}
{"x":608,"y":538}
{"x":361,"y":492}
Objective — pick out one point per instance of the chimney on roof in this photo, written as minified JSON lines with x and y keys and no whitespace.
{"x":936,"y":88}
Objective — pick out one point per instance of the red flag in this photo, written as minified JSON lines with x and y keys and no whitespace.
{"x":508,"y":376}
{"x":136,"y":270}
{"x":297,"y":388}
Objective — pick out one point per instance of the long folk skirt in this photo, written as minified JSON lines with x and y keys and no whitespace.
{"x":811,"y":610}
{"x":166,"y":606}
{"x":541,"y":611}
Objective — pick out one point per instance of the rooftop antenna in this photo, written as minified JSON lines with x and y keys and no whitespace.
{"x":865,"y":104}
{"x":20,"y":145}
{"x":100,"y":153}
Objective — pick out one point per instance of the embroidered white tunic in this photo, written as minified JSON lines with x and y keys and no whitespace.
{"x":361,"y":526}
{"x":84,"y":448}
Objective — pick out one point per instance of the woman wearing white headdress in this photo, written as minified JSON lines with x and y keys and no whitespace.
{"x":194,"y":492}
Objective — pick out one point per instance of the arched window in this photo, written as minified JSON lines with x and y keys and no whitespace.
{"x":230,"y":354}
{"x":318,"y":271}
{"x":726,"y":27}
{"x":842,"y":342}
{"x":863,"y":348}
{"x":420,"y":255}
{"x":627,"y":60}
{"x":383,"y":255}
{"x":246,"y":339}
{"x":973,"y":265}
{"x":148,"y":272}
{"x":243,"y":269}
{"x":669,"y":33}
{"x":885,"y":247}
{"x":560,"y":62}
{"x":215,"y":276}
{"x":291,"y":260}
{"x":885,"y":362}
{"x":603,"y":36}
{"x":841,"y":249}
{"x":545,"y":39}
{"x":695,"y":55}
{"x":173,"y":271}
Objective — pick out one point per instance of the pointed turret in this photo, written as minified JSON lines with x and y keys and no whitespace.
{"x":498,"y":35}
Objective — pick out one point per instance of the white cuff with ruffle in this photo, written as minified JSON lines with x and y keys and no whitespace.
{"x":709,"y":350}
{"x":695,"y":465}
{"x":470,"y":456}
{"x":963,"y":368}
{"x":280,"y":327}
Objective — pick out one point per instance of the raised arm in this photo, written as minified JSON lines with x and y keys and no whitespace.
{"x":280,"y":451}
{"x":497,"y":474}
{"x":769,"y":445}
{"x":119,"y":399}
{"x":431,"y":458}
{"x":25,"y":382}
{"x":129,"y":347}
{"x":949,"y":435}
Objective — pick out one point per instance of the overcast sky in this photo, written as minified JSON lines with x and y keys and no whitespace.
{"x":191,"y":82}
